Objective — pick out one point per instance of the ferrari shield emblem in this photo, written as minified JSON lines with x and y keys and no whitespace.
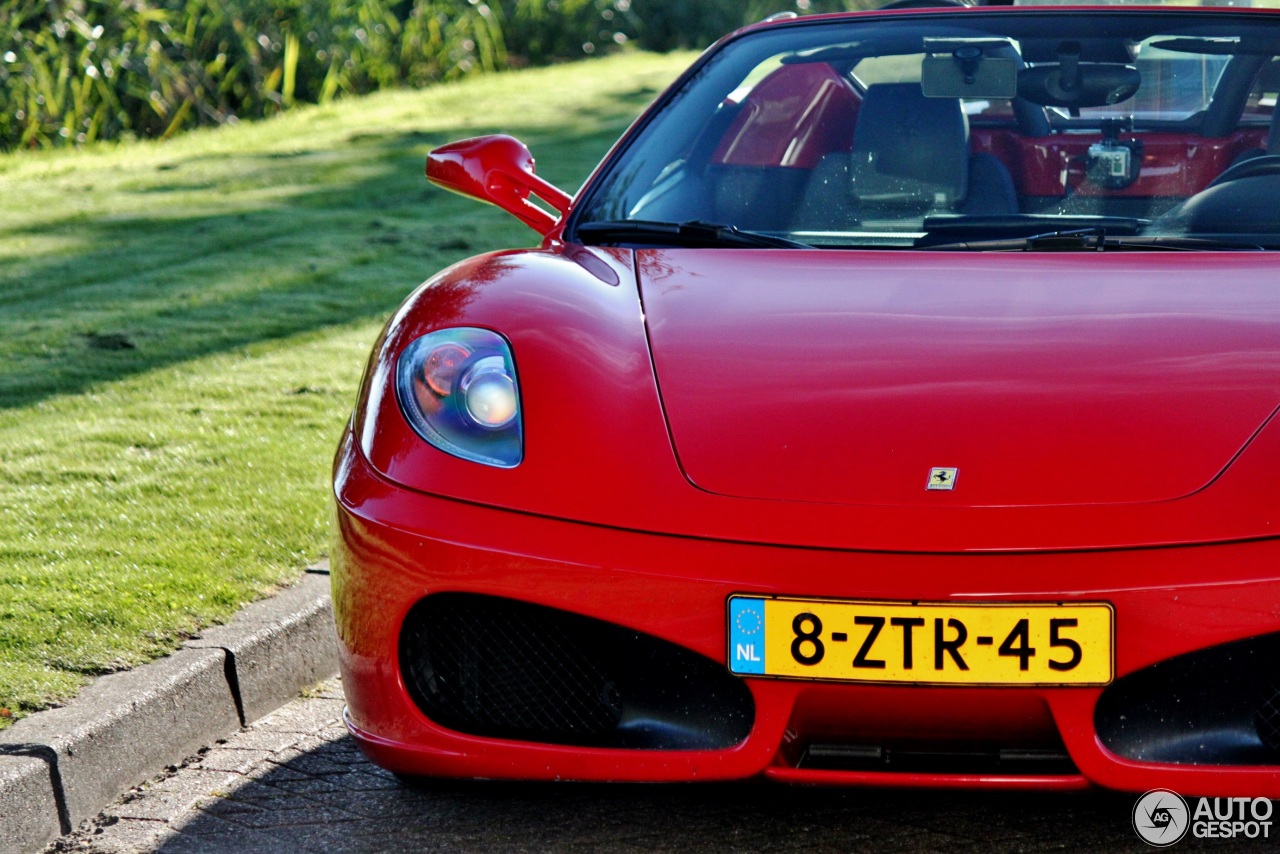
{"x":942,"y":478}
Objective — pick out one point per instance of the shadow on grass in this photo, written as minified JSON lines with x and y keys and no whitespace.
{"x":305,"y":240}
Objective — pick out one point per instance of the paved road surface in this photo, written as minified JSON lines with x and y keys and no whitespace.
{"x":296,"y":782}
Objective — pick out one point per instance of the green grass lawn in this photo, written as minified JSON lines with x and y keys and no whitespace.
{"x":182,"y":327}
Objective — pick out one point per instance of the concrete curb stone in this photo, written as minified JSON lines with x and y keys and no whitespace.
{"x":28,"y":810}
{"x":278,"y":646}
{"x":63,"y":766}
{"x":128,"y":726}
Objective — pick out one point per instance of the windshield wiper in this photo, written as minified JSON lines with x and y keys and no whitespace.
{"x":948,"y":228}
{"x":1073,"y":240}
{"x":694,"y":233}
{"x":1096,"y":240}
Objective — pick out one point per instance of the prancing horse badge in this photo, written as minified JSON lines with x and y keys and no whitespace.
{"x":942,"y":478}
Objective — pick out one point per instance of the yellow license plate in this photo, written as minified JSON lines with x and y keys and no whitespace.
{"x":923,"y":643}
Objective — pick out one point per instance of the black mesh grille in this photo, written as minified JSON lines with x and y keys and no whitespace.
{"x":508,"y":670}
{"x":1267,"y":720}
{"x":497,"y":667}
{"x":1213,"y":706}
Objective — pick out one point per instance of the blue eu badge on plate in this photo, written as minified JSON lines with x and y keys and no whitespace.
{"x":746,"y":635}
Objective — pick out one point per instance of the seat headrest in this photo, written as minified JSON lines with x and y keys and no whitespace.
{"x":909,"y":150}
{"x":1268,"y":81}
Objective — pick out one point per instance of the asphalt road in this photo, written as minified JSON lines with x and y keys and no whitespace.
{"x":296,"y":782}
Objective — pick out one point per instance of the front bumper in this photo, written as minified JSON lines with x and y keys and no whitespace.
{"x":393,"y":547}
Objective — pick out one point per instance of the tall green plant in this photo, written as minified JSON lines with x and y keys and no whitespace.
{"x":73,"y":71}
{"x":543,"y":31}
{"x":79,"y":70}
{"x":447,"y":39}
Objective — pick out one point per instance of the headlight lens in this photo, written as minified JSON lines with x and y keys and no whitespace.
{"x":457,"y":388}
{"x":489,"y":393}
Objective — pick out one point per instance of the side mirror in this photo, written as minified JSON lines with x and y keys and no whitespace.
{"x":498,"y":169}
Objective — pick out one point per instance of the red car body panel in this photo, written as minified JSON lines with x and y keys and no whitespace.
{"x":847,"y":387}
{"x":700,"y":423}
{"x":410,"y":545}
{"x":576,"y":335}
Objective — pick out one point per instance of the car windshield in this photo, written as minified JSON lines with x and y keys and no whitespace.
{"x":1017,"y":128}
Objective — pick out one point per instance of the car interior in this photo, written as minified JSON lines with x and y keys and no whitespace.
{"x":955,"y":133}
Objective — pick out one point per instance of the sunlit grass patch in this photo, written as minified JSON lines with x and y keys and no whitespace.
{"x":182,"y":327}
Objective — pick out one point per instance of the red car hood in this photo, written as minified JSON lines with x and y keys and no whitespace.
{"x":1045,"y":379}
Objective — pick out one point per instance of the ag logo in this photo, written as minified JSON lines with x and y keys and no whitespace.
{"x":1161,"y":817}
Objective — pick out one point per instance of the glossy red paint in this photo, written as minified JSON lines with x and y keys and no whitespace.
{"x":589,"y":388}
{"x":497,"y":169}
{"x":396,"y":546}
{"x":847,"y":384}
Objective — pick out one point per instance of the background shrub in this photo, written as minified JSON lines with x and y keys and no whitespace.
{"x":75,"y":71}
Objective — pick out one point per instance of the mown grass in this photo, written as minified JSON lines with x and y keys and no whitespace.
{"x":182,"y":326}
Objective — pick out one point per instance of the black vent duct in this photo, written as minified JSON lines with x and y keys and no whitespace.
{"x":1215,"y":706}
{"x":496,"y":667}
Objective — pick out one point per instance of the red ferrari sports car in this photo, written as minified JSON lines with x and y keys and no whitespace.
{"x":895,"y":405}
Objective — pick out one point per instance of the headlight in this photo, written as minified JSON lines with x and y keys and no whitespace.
{"x":457,"y":388}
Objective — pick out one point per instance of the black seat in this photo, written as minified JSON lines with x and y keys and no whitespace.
{"x":910,"y":153}
{"x":1269,"y":77}
{"x":1240,"y":200}
{"x":910,"y":158}
{"x":1244,"y":205}
{"x":1273,"y":144}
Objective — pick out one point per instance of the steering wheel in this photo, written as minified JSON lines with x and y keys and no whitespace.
{"x":1254,"y":167}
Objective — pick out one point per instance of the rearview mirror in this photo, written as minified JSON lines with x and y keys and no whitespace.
{"x":1078,"y":84}
{"x":498,"y":169}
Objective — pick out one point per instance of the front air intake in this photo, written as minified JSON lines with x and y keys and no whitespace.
{"x":495,"y":667}
{"x":1214,"y":706}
